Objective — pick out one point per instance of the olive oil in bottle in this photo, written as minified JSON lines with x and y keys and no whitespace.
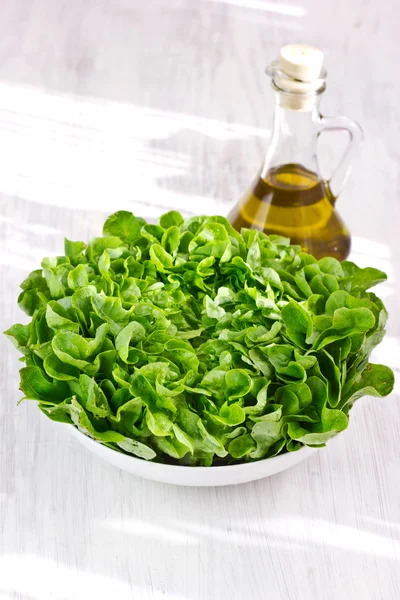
{"x":293,"y":202}
{"x":289,"y":197}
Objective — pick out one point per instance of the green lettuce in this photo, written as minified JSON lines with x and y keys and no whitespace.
{"x":187,"y":342}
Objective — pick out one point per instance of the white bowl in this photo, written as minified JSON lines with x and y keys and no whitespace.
{"x":194,"y":476}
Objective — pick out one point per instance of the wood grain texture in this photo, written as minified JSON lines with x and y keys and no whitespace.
{"x":108,"y":104}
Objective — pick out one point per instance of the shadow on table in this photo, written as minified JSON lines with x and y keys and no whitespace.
{"x":83,"y":153}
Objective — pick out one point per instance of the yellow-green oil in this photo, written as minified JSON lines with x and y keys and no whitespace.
{"x":293,"y":202}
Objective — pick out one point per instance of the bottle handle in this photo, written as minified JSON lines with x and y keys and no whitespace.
{"x":356,"y":136}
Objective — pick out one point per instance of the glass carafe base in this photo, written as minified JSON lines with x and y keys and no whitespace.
{"x":293,"y":202}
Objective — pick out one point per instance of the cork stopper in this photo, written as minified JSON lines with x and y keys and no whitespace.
{"x":299,"y":72}
{"x":301,"y":62}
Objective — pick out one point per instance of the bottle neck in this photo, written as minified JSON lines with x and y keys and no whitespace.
{"x":293,"y":138}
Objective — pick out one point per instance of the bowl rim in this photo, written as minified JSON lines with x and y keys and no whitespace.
{"x":256,"y":464}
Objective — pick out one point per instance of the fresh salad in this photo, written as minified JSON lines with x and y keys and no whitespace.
{"x":187,"y":342}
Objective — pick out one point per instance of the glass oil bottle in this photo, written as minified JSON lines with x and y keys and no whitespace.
{"x":289,"y":196}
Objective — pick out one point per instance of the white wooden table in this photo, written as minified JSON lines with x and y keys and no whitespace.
{"x":108,"y":104}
